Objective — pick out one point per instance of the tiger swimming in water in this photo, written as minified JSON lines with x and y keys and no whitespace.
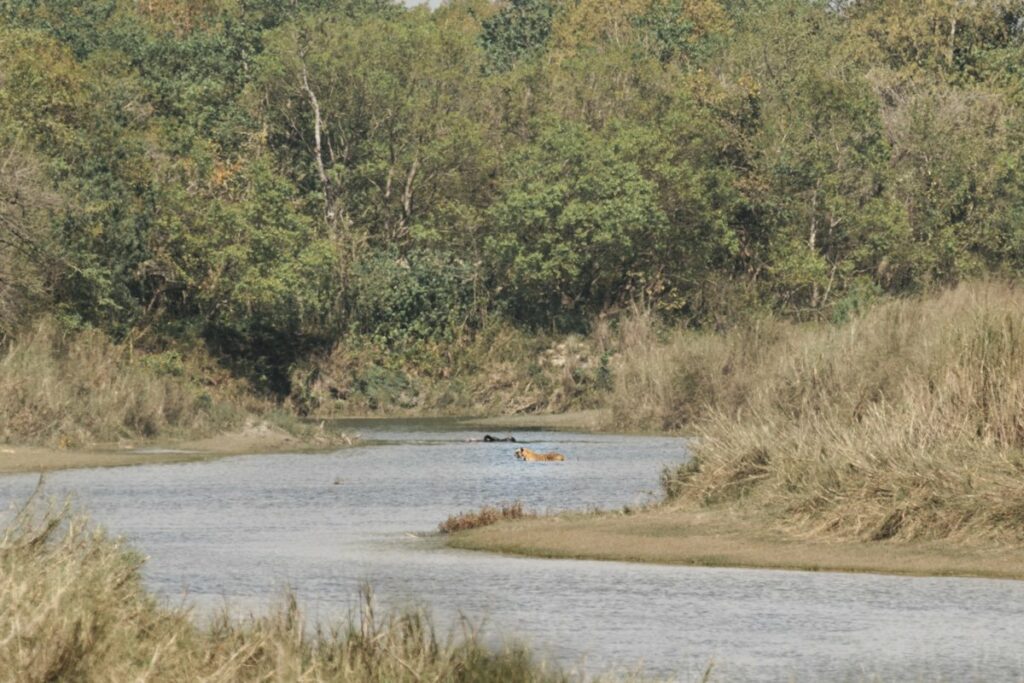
{"x":534,"y":456}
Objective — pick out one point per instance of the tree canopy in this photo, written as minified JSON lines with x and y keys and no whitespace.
{"x":272,"y":179}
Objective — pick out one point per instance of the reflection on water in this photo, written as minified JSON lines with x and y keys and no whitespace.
{"x":243,"y":528}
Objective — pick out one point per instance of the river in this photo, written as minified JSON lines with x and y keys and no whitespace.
{"x":241,"y":530}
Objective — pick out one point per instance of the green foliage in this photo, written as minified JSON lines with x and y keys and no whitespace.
{"x":262,"y":277}
{"x":572,"y":228}
{"x":168,"y":363}
{"x":403,"y":140}
{"x":857,"y":301}
{"x":77,"y":25}
{"x":29,"y":259}
{"x":670,"y":35}
{"x":401,"y":300}
{"x":518,"y":31}
{"x":274,"y":179}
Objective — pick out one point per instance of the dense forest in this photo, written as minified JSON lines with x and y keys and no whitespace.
{"x":269,"y":181}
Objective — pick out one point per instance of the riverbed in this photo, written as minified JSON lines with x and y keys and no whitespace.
{"x":241,"y":530}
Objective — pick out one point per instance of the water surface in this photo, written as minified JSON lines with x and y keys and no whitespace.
{"x":242,"y":529}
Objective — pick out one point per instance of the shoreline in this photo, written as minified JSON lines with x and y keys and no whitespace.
{"x":17,"y":459}
{"x":22,"y":459}
{"x":594,"y":420}
{"x":721,"y":538}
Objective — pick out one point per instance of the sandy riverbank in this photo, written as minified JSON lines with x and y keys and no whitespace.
{"x":260,"y":438}
{"x":720,"y":538}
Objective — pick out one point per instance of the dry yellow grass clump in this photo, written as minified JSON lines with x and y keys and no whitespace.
{"x":905,"y":423}
{"x":485,"y":516}
{"x":75,"y":610}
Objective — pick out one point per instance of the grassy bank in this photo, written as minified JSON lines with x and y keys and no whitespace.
{"x":76,"y":399}
{"x":906,"y":423}
{"x":893,"y":441}
{"x":75,"y":609}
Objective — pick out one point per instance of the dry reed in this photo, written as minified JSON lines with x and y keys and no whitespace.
{"x":68,"y":389}
{"x":904,"y":423}
{"x":485,"y":516}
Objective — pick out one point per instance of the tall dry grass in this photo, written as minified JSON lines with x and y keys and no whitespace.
{"x":64,"y":389}
{"x":668,"y":378}
{"x":74,"y":609}
{"x":907,"y":422}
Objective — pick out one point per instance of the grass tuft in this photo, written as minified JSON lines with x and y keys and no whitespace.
{"x":485,"y":516}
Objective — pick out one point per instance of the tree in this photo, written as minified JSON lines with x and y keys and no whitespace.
{"x":29,"y":262}
{"x":820,"y":215}
{"x":385,"y":120}
{"x":948,"y":38}
{"x":572,"y":229}
{"x":962,"y":198}
{"x":519,"y":31}
{"x":666,"y":30}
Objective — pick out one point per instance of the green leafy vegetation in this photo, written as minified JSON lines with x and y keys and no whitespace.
{"x":359,"y":190}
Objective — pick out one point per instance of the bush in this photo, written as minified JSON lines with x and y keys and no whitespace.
{"x":399,"y":299}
